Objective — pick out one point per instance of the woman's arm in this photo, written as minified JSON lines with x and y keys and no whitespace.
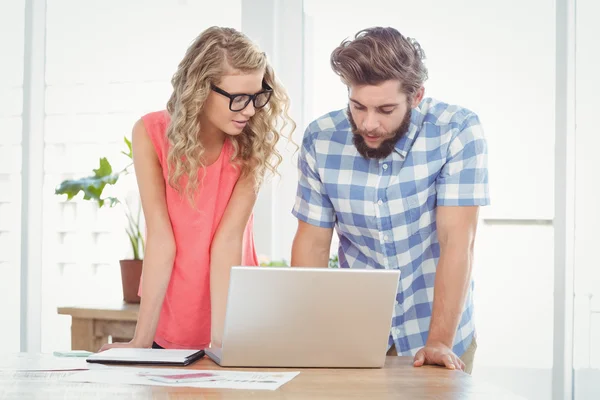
{"x":226,"y":251}
{"x":160,"y":243}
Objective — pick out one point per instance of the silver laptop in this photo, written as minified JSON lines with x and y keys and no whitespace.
{"x":307,"y":317}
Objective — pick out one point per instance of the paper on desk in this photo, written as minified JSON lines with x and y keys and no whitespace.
{"x":44,"y":385}
{"x":42,"y":362}
{"x":196,"y":378}
{"x":34,"y":376}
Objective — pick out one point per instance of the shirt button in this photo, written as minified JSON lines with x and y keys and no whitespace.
{"x":380,"y":202}
{"x":385,"y":166}
{"x":385,"y":238}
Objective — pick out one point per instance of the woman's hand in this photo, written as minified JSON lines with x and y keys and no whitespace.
{"x":133,"y":344}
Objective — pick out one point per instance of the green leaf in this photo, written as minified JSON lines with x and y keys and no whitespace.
{"x":133,"y":231}
{"x":134,"y":246}
{"x":281,"y":263}
{"x":91,"y":186}
{"x":334,"y":262}
{"x":113,"y":201}
{"x":105,"y":168}
{"x":142,"y":244}
{"x":140,"y":237}
{"x":128,"y":144}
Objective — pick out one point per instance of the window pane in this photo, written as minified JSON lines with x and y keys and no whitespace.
{"x":99,"y":82}
{"x":12,"y":26}
{"x":12,"y":18}
{"x":473,"y":61}
{"x":126,"y":41}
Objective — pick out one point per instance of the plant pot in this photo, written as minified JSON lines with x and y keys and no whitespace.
{"x":131,"y":272}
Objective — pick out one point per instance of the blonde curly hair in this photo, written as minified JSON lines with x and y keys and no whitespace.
{"x":214,"y":52}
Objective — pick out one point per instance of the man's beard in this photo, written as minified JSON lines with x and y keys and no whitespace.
{"x":386,"y":147}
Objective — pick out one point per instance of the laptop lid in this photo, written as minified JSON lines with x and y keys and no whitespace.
{"x":308,"y":317}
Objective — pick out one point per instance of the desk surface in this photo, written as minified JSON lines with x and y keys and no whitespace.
{"x":398,"y":380}
{"x":119,"y":311}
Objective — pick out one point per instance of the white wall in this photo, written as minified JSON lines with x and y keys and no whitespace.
{"x":587,"y":266}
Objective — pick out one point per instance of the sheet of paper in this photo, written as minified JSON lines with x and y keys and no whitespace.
{"x":34,"y":376}
{"x":44,"y":385}
{"x":216,"y":379}
{"x":43,"y":362}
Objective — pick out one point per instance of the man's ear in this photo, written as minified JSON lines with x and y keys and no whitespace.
{"x":418,"y":97}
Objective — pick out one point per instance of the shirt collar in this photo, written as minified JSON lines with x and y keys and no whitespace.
{"x":405,"y":143}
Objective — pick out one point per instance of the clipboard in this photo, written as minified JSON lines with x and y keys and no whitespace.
{"x":132,"y":356}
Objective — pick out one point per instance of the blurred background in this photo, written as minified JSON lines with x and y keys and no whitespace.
{"x":76,"y":74}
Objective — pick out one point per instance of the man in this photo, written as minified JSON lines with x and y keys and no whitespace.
{"x":401,"y":179}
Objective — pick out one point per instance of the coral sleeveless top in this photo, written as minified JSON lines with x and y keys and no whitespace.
{"x":185,"y":315}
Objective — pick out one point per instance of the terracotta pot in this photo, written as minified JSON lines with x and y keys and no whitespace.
{"x":131,"y":271}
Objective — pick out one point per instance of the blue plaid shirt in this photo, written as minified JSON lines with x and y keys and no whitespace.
{"x":384,"y":210}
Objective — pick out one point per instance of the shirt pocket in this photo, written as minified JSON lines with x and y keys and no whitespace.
{"x":418,"y":200}
{"x":420,"y":214}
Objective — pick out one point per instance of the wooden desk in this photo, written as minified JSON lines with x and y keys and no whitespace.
{"x":92,"y":325}
{"x":398,"y":380}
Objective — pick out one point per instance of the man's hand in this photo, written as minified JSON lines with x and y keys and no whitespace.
{"x":438,"y":354}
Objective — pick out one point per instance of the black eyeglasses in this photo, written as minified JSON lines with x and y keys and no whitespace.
{"x":237,"y":102}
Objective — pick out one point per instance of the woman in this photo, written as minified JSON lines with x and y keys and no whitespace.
{"x":199,"y":165}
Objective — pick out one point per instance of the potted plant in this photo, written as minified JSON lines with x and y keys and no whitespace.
{"x":92,"y":188}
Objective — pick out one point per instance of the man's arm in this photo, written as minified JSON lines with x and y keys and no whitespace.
{"x":462,"y":187}
{"x":311,"y":246}
{"x":314,"y":210}
{"x":456,"y":228}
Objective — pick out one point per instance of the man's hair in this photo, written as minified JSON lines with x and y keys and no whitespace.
{"x":379,"y":54}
